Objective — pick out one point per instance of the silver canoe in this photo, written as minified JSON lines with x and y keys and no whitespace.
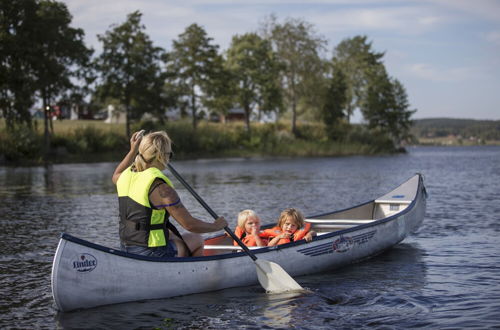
{"x":86,"y":275}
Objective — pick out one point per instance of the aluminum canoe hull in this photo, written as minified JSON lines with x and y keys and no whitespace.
{"x":86,"y":275}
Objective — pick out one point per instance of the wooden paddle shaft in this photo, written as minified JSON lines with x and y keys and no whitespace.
{"x":209,"y":210}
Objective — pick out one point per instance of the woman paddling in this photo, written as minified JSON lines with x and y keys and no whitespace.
{"x":147,"y":198}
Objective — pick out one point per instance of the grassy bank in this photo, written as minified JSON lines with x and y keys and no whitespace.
{"x":90,"y":141}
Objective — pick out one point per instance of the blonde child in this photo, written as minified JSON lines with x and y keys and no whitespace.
{"x":248,"y":229}
{"x":291,"y":228}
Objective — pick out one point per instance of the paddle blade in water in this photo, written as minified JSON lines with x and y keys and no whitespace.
{"x":273,"y":278}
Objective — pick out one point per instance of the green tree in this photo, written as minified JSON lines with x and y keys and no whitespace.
{"x":401,"y":114}
{"x":386,"y":107}
{"x":62,"y":54}
{"x":334,"y":102}
{"x":194,"y":63}
{"x":255,"y":68}
{"x":357,"y":59}
{"x":220,"y":91}
{"x":130,"y":68}
{"x":17,"y":84}
{"x":41,"y":53}
{"x":298,"y":48}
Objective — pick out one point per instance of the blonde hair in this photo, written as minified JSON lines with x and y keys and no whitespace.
{"x":296,"y":216}
{"x":154,"y":146}
{"x":244,"y":215}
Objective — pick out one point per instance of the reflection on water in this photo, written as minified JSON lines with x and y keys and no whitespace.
{"x":221,"y":309}
{"x":444,"y":276}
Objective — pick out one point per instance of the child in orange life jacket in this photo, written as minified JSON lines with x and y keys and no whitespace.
{"x":248,"y":229}
{"x":291,"y":227}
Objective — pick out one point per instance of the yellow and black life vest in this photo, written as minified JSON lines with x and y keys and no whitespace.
{"x":140,"y":223}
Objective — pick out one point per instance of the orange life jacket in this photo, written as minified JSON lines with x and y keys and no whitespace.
{"x":248,"y":240}
{"x":298,"y":235}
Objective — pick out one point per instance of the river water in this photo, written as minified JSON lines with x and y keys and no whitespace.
{"x":445,"y":276}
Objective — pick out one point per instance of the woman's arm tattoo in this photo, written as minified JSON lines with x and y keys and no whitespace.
{"x":170,"y":195}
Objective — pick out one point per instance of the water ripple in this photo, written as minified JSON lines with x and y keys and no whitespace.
{"x":445,"y":276}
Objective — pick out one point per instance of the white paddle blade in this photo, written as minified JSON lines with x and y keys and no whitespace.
{"x":273,"y":278}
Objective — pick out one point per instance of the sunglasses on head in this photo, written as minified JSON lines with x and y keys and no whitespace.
{"x":170,"y":156}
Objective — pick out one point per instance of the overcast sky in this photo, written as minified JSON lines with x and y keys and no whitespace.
{"x":445,"y":52}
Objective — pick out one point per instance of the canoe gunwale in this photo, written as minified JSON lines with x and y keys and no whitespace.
{"x":420,"y":190}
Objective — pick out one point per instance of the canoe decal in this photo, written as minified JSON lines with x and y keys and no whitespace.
{"x":342,"y":244}
{"x":84,"y":262}
{"x":363,"y":238}
{"x":317,"y":250}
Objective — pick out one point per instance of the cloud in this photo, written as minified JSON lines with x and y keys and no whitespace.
{"x":399,"y":19}
{"x":449,"y":75}
{"x":224,"y":18}
{"x":164,"y":20}
{"x":486,"y":9}
{"x":493,"y":37}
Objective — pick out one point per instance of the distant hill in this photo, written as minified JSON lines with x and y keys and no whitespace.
{"x":453,"y":131}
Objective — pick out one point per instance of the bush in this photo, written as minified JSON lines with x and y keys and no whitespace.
{"x":94,"y":141}
{"x":339,"y":131}
{"x":20,"y":143}
{"x":88,"y":139}
{"x":312,"y":132}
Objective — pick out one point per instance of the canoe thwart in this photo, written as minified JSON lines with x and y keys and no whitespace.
{"x":229,"y":247}
{"x":342,"y":221}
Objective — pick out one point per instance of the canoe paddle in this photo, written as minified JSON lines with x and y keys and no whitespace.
{"x":272,"y":277}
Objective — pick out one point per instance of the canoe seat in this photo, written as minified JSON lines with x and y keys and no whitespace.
{"x":392,"y":201}
{"x":386,"y":207}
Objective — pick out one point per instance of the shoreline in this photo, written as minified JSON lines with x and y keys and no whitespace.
{"x":99,"y":158}
{"x":96,"y":141}
{"x":107,"y":157}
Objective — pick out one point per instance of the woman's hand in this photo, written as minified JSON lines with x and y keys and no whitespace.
{"x":135,"y":141}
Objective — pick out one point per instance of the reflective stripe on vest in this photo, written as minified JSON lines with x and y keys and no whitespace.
{"x":136,"y":211}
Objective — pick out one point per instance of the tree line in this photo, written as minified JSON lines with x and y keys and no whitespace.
{"x":477,"y":131}
{"x":277,"y":69}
